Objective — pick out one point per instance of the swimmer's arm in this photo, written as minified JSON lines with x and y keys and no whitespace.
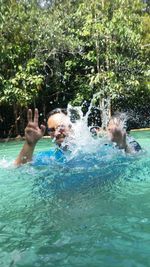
{"x":124,"y":146}
{"x":128,"y":147}
{"x":25,"y":154}
{"x":119,"y":136}
{"x":33,"y":133}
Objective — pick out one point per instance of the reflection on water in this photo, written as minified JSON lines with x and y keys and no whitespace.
{"x":91,"y":211}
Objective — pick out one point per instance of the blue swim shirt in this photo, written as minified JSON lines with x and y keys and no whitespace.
{"x":49,"y":156}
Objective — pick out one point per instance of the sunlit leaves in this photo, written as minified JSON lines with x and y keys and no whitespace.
{"x":87,"y":46}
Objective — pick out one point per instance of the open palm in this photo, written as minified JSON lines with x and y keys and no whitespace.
{"x":117,"y":134}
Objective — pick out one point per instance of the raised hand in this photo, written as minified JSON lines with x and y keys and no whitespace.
{"x":33,"y":132}
{"x":117,"y":133}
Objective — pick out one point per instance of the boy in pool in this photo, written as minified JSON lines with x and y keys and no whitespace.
{"x":59,"y":128}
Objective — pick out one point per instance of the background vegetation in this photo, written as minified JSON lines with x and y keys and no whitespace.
{"x":60,"y":51}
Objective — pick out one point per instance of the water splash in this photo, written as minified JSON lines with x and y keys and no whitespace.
{"x":120,"y":118}
{"x":105,"y":104}
{"x":81,"y":139}
{"x":6,"y":163}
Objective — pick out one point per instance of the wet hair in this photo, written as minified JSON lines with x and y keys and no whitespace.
{"x":57,"y":110}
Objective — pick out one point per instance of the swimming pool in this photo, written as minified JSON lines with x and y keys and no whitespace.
{"x":103,"y":220}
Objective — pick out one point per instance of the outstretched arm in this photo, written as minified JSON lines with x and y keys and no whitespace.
{"x":33,"y":133}
{"x":117,"y":134}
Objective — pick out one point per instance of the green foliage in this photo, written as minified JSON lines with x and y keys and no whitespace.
{"x":23,"y":87}
{"x":110,"y":47}
{"x":69,"y":50}
{"x":20,"y":77}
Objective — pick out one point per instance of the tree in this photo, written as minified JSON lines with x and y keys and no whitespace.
{"x":20,"y":76}
{"x":105,"y":42}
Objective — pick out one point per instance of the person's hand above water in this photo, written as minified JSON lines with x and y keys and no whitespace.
{"x":33,"y":132}
{"x":117,"y":133}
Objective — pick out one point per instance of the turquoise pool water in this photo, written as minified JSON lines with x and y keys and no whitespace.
{"x":101,"y":217}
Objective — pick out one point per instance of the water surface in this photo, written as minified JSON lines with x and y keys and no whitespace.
{"x":91,"y":212}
